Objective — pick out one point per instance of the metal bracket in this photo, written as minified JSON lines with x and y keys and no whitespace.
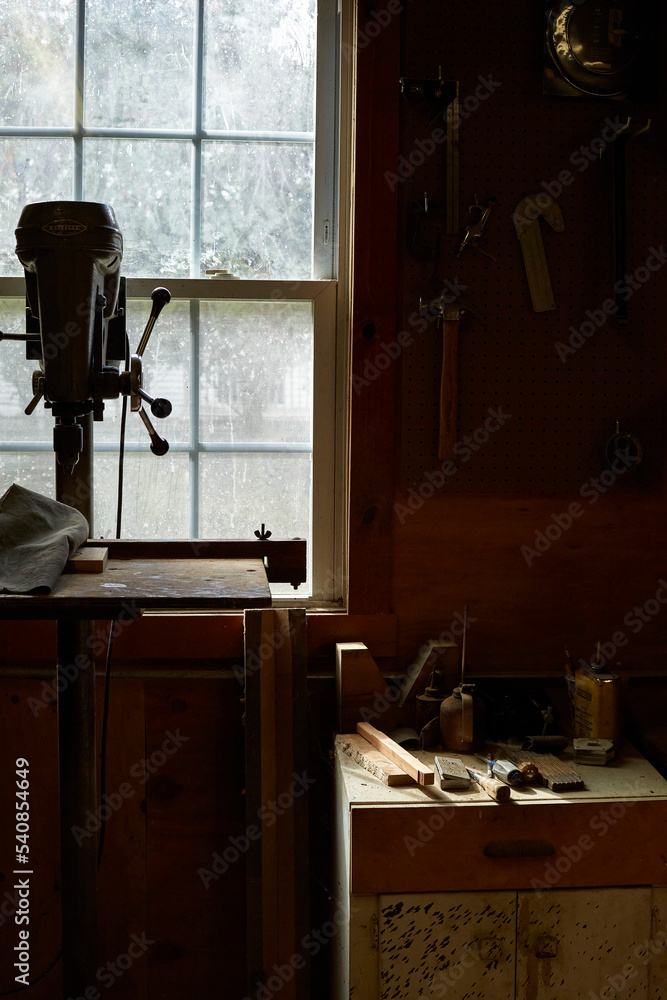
{"x":437,"y":94}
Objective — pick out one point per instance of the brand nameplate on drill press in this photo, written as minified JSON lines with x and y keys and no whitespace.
{"x":64,"y":227}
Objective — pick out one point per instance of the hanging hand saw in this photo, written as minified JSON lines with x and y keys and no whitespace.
{"x":526,"y":220}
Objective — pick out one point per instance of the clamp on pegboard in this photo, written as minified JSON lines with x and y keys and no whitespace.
{"x":434,"y":94}
{"x":441,"y":98}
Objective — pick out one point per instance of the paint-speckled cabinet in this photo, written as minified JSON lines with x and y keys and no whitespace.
{"x":449,"y":895}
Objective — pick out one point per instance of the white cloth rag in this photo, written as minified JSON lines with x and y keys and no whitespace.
{"x":37,"y":537}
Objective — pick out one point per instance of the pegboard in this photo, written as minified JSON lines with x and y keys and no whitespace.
{"x":563,"y":408}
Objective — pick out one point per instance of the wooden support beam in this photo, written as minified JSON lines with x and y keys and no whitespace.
{"x":358,"y":683}
{"x":276,"y":756}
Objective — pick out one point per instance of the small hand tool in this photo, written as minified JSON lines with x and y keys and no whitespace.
{"x":504,"y":770}
{"x":623,"y":133}
{"x":555,"y":774}
{"x":526,"y":220}
{"x":449,"y":381}
{"x":452,"y":773}
{"x":494,"y":789}
{"x":450,"y":313}
{"x":530,"y":772}
{"x":475,"y":228}
{"x":453,"y":119}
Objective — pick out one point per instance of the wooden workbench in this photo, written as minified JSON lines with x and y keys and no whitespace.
{"x":449,"y":890}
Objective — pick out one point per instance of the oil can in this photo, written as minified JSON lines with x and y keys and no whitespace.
{"x":596,"y":703}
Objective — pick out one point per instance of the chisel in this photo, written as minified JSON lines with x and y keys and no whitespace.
{"x":494,"y":789}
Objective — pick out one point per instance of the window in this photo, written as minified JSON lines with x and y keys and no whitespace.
{"x":211,"y":128}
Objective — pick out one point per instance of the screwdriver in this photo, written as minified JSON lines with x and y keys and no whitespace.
{"x":505,"y":770}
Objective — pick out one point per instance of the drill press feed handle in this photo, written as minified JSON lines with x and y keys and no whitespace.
{"x":161,"y":297}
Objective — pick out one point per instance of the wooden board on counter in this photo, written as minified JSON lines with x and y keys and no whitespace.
{"x":92,"y":559}
{"x":360,"y":750}
{"x":422,"y":773}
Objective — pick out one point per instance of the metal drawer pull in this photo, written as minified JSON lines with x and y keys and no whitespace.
{"x":519,"y":849}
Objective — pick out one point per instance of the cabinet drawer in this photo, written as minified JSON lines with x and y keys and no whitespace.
{"x":541,"y":846}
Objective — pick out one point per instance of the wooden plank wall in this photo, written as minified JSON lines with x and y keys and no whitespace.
{"x":475,"y":539}
{"x":174,"y":791}
{"x":31,"y":735}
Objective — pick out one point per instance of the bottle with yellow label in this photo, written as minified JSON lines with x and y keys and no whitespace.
{"x":596,"y":702}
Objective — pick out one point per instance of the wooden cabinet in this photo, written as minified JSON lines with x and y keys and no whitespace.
{"x":553,"y":895}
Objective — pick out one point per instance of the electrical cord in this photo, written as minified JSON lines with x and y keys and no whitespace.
{"x":121,"y":458}
{"x":112,"y":627}
{"x":121,"y":446}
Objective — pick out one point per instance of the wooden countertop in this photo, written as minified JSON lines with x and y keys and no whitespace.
{"x":629,"y":777}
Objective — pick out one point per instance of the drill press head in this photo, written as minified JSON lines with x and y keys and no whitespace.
{"x":71,"y":252}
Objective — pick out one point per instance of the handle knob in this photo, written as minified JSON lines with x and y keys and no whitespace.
{"x":159,"y":407}
{"x":158,"y":445}
{"x":160,"y":297}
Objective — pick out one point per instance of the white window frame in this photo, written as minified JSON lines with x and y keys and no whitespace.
{"x":329,"y":291}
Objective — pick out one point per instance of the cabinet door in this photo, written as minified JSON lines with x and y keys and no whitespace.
{"x":656,"y":948}
{"x":588,"y":943}
{"x":447,"y":944}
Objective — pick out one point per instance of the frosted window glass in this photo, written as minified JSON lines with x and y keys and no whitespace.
{"x":256,"y":361}
{"x":155,"y":495}
{"x":139,"y":63}
{"x":37,"y":56}
{"x":256,"y":208}
{"x":31,"y":170}
{"x":239,"y":492}
{"x":259,"y":65}
{"x":148,"y":185}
